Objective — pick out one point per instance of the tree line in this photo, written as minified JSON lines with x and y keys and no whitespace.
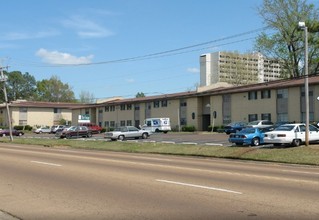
{"x":24,"y":86}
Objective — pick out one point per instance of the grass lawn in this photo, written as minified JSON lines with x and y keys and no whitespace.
{"x":296,"y":155}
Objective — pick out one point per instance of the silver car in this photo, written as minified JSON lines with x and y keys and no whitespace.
{"x":122,"y":133}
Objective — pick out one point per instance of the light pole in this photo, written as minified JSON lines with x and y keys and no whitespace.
{"x":303,"y":26}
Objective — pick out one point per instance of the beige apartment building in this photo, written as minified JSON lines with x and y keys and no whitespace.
{"x":32,"y":113}
{"x":279,"y":100}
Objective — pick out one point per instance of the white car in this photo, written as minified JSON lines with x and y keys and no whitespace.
{"x":260,"y":124}
{"x":46,"y":129}
{"x":293,"y":134}
{"x":125,"y":132}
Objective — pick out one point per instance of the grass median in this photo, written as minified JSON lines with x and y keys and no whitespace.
{"x":295,"y":155}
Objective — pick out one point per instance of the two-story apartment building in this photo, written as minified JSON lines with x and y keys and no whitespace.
{"x":280,"y":100}
{"x":33,"y":113}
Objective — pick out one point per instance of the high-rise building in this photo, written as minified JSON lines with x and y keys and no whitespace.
{"x":237,"y":69}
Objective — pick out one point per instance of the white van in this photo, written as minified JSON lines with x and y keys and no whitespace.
{"x":157,"y":125}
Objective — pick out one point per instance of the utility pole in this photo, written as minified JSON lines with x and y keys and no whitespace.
{"x":3,"y":79}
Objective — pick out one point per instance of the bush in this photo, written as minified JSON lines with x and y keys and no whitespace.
{"x":190,"y":128}
{"x":216,"y":128}
{"x":23,"y":127}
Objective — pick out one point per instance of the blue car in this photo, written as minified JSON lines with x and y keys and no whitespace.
{"x":249,"y":136}
{"x":234,"y":127}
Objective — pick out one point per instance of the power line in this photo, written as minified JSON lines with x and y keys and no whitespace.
{"x":171,"y":52}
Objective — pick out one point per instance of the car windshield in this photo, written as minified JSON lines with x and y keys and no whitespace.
{"x":285,"y":128}
{"x":248,"y":130}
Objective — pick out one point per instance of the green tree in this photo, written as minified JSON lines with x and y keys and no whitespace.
{"x":139,"y":95}
{"x":86,"y":97}
{"x":20,"y":86}
{"x":287,"y":42}
{"x":53,"y":90}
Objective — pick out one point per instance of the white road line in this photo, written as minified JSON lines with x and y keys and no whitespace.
{"x":295,"y":171}
{"x":50,"y":164}
{"x":199,"y":186}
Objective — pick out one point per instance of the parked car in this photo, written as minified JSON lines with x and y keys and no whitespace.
{"x":249,"y":136}
{"x":234,"y":127}
{"x":54,"y":128}
{"x":41,"y":130}
{"x":74,"y":131}
{"x":125,"y":132}
{"x":93,"y":127}
{"x":6,"y":132}
{"x":292,"y":134}
{"x":260,"y":124}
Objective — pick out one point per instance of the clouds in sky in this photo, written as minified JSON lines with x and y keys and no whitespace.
{"x":193,"y":70}
{"x":59,"y":58}
{"x":86,"y":28}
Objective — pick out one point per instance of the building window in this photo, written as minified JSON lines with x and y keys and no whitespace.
{"x":122,"y":107}
{"x":112,"y":108}
{"x":183,"y":104}
{"x":282,"y":117}
{"x":265,"y":94}
{"x":122,"y":123}
{"x":136,"y":107}
{"x":100,"y":110}
{"x":22,"y":122}
{"x":129,"y":107}
{"x":282,"y":93}
{"x":56,"y":110}
{"x":106,"y":108}
{"x":87,"y":111}
{"x":129,"y":122}
{"x":112,"y":124}
{"x":252,"y":117}
{"x":106,"y":124}
{"x":252,"y":95}
{"x":164,"y":103}
{"x":266,"y":116}
{"x":156,"y":104}
{"x":22,"y":109}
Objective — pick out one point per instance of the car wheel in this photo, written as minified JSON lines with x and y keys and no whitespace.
{"x":89,"y":135}
{"x":255,"y":142}
{"x":121,"y":137}
{"x":20,"y":134}
{"x":144,"y":135}
{"x":68,"y":136}
{"x":296,"y":142}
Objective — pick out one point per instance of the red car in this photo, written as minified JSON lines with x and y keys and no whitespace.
{"x":95,"y":129}
{"x":6,"y":132}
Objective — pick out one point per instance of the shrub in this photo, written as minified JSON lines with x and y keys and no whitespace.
{"x":190,"y":128}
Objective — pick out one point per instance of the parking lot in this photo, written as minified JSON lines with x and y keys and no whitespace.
{"x":196,"y":138}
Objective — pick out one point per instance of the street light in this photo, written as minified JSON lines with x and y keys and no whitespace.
{"x":303,"y":26}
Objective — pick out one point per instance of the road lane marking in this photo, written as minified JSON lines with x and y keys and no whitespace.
{"x":296,"y":171}
{"x":198,"y":186}
{"x":45,"y":163}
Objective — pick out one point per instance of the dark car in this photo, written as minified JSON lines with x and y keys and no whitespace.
{"x":234,"y":127}
{"x":75,"y":131}
{"x":249,"y":136}
{"x":6,"y":132}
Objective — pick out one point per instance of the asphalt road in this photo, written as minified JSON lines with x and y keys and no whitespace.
{"x":50,"y":183}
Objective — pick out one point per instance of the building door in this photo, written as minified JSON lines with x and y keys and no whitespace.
{"x":206,"y":123}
